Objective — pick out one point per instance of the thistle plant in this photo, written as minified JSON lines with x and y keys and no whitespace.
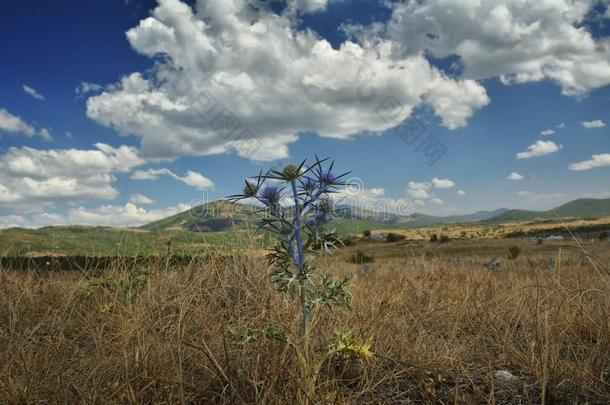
{"x":297,"y":206}
{"x":123,"y":288}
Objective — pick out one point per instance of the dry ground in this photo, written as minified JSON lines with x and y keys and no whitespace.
{"x":442,"y":326}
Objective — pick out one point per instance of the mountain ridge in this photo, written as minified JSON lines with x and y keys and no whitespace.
{"x":219,"y":215}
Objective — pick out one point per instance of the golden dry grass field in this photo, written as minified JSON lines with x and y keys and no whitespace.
{"x":491,"y":230}
{"x":443,"y":328}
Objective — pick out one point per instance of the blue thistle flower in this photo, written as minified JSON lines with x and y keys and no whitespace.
{"x":309,"y":189}
{"x":270,"y":195}
{"x":327,"y":178}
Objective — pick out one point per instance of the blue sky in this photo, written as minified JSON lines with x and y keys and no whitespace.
{"x":97,"y":126}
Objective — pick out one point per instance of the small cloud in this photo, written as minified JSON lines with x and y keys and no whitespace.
{"x":515,"y":176}
{"x":69,"y":135}
{"x":85,"y":88}
{"x":461,"y":192}
{"x":540,"y":148}
{"x":593,"y":124}
{"x":561,"y":126}
{"x":419,"y":191}
{"x":45,"y":133}
{"x":437,"y":201}
{"x":140,"y":199}
{"x":13,"y":123}
{"x":542,"y":198}
{"x":596,"y":161}
{"x":29,"y":90}
{"x":442,"y":183}
{"x":192,"y":178}
{"x":547,"y":132}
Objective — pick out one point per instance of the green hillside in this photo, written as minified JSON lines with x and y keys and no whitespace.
{"x":211,"y":217}
{"x":221,"y":216}
{"x":221,"y":223}
{"x":104,"y":241}
{"x":581,"y":208}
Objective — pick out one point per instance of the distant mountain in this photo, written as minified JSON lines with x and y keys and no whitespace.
{"x":484,"y":215}
{"x":214,"y":223}
{"x":222,"y":215}
{"x":581,"y":208}
{"x":210,"y":217}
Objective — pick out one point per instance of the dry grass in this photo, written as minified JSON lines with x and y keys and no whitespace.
{"x":442,"y":327}
{"x":482,"y":230}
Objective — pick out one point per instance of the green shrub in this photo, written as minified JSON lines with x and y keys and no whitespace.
{"x":366,"y":234}
{"x":443,"y":238}
{"x":434,"y":238}
{"x":395,"y":237}
{"x":359,"y":258}
{"x":348,"y":240}
{"x":513,"y":252}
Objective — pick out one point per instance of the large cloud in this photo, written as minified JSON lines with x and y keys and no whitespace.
{"x":106,"y":215}
{"x":30,"y":176}
{"x":121,"y":215}
{"x":236,"y":78}
{"x":516,"y":40}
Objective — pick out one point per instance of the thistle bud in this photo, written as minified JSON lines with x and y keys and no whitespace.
{"x":250,"y":189}
{"x":309,"y":185}
{"x":291,"y":172}
{"x":325,"y":206}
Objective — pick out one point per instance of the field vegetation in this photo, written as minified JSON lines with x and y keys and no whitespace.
{"x":429,"y":323}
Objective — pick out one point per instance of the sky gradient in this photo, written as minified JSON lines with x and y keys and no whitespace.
{"x":122,"y":112}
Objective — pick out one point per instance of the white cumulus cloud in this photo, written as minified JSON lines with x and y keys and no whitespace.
{"x":29,"y":177}
{"x":419,"y":190}
{"x":374,"y":200}
{"x":442,"y":183}
{"x":222,"y":86}
{"x":593,"y":124}
{"x":193,"y":179}
{"x":547,"y":132}
{"x":121,"y":215}
{"x":140,"y":199}
{"x":515,"y":176}
{"x":516,"y":40}
{"x":596,"y":161}
{"x":15,"y":124}
{"x":540,"y":148}
{"x":543,"y":199}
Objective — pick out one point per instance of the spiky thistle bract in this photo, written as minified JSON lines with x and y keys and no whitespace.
{"x":297,"y":205}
